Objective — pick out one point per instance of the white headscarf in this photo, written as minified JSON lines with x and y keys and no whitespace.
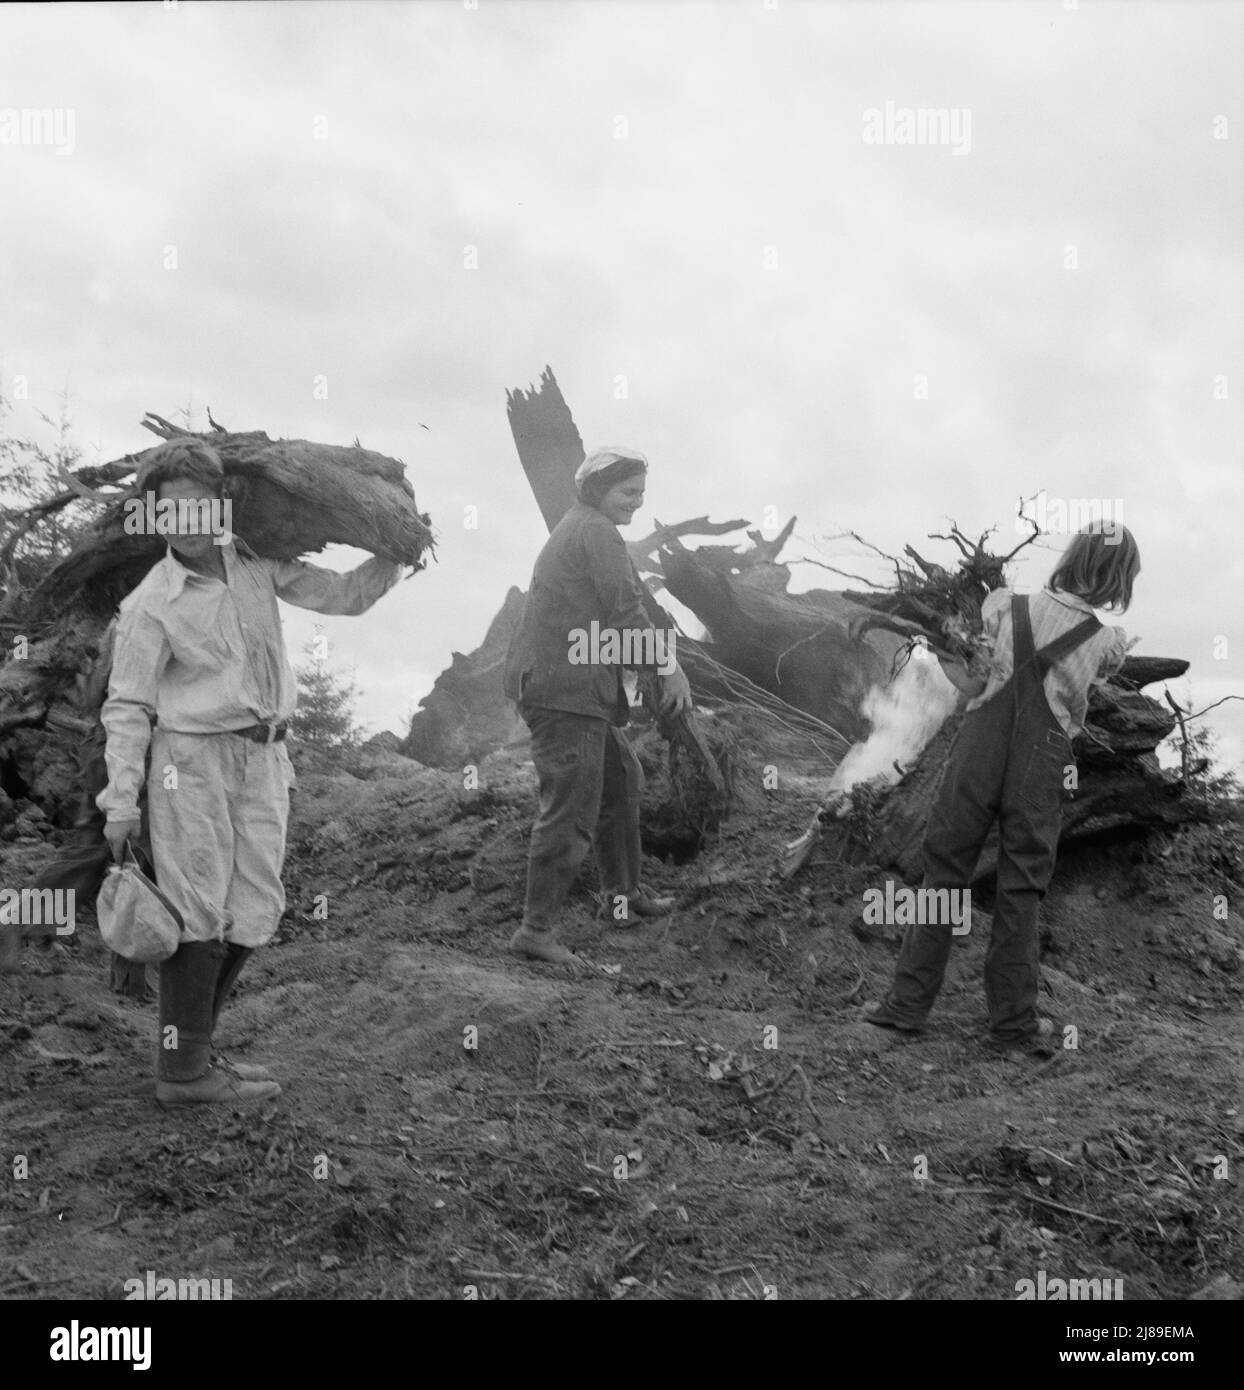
{"x":600,"y":459}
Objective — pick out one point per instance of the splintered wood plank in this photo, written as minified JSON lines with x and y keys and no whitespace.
{"x":548,"y":442}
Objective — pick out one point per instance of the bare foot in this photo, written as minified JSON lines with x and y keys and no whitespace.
{"x":543,"y":946}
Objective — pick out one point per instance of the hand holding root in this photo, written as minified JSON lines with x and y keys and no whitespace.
{"x":962,"y":676}
{"x":675,"y":693}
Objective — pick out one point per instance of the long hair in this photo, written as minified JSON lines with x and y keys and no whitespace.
{"x":1100,"y":564}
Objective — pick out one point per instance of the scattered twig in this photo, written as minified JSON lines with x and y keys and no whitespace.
{"x":104,"y":1224}
{"x":539,"y":1091}
{"x":631,"y":1254}
{"x":854,"y":990}
{"x":1058,"y":1206}
{"x":944,"y":1191}
{"x":501,"y":1274}
{"x":1192,"y":1182}
{"x":807,"y":1093}
{"x":41,"y":1283}
{"x":1059,"y":1157}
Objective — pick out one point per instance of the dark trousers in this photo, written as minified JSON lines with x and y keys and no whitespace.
{"x":1006,"y":765}
{"x":590,"y":786}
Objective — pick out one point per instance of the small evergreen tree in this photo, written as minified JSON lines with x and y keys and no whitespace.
{"x":30,"y":475}
{"x":324,"y":718}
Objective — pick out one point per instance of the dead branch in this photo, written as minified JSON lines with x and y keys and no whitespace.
{"x":641,"y":551}
{"x":1183,"y":735}
{"x":765,"y":552}
{"x":80,"y":489}
{"x":1188,"y":718}
{"x":846,"y":574}
{"x":1028,"y":540}
{"x":868,"y":545}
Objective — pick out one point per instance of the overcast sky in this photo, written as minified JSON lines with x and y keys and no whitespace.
{"x":684,"y":209}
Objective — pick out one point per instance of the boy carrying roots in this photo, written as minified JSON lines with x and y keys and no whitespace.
{"x":200,"y":656}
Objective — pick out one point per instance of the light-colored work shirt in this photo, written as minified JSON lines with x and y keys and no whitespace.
{"x":1068,"y":680}
{"x":204,"y":656}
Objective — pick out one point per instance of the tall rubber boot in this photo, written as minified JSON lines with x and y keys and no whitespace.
{"x":187,"y":988}
{"x":235,"y":958}
{"x":231,"y":968}
{"x":189,"y":980}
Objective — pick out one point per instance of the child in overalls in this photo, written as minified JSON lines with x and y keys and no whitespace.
{"x":1009,"y":763}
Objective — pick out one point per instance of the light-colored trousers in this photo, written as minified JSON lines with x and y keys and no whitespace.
{"x":218,"y":807}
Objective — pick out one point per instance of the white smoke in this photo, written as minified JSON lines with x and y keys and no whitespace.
{"x":904,"y":715}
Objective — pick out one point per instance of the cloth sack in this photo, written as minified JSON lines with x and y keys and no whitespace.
{"x":136,"y":920}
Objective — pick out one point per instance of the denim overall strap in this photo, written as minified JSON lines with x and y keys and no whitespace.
{"x":1030,"y":666}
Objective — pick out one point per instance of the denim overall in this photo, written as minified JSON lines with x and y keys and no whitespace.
{"x":1007,"y":763}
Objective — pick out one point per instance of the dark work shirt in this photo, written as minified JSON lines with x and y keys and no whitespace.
{"x":583,"y":574}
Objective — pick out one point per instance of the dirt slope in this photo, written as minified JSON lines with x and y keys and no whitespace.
{"x":714,"y":1121}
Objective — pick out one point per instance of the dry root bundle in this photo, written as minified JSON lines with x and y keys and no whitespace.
{"x":290,"y":497}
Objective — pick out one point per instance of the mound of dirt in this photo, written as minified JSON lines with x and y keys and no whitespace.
{"x":716,"y":1120}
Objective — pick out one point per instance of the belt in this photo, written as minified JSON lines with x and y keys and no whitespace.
{"x":263,"y":733}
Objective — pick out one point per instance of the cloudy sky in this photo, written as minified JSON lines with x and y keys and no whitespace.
{"x":688,"y":211}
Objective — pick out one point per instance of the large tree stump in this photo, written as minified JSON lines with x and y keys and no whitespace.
{"x":798,"y":647}
{"x":468,"y":715}
{"x":1120,"y":783}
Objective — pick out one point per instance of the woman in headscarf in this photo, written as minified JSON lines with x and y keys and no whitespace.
{"x":570,"y":693}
